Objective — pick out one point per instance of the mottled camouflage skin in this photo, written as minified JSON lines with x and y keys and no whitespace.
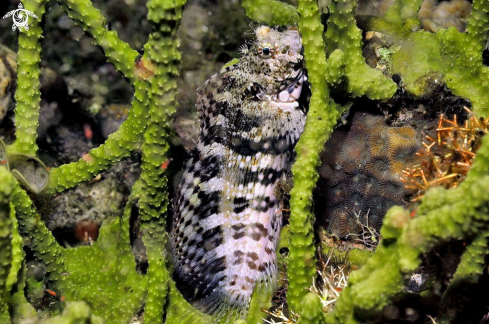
{"x":227,"y":217}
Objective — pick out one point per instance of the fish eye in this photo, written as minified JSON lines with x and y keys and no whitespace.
{"x":265,"y":51}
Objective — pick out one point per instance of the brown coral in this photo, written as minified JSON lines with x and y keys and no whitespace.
{"x":360,"y":176}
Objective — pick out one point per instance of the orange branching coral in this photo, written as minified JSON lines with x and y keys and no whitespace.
{"x":447,"y":156}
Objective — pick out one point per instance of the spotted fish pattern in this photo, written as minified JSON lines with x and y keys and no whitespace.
{"x":227,"y":215}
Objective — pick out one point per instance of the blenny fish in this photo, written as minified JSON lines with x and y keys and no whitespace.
{"x":227,"y":215}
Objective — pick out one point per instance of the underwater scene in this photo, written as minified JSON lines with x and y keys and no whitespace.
{"x":253,"y":161}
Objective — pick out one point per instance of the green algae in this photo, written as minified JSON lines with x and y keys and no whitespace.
{"x":94,"y":23}
{"x":115,"y":290}
{"x":320,"y":121}
{"x":75,"y":313}
{"x":447,"y":56}
{"x":322,"y":116}
{"x":344,"y":39}
{"x":271,"y":12}
{"x":6,"y":229}
{"x":27,"y":95}
{"x":101,"y":281}
{"x":152,"y":193}
{"x":27,"y":169}
{"x":468,"y":273}
{"x":311,"y":310}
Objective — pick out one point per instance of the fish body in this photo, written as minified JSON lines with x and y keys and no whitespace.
{"x":227,"y":215}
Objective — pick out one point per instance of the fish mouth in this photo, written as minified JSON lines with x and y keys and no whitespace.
{"x":289,"y":90}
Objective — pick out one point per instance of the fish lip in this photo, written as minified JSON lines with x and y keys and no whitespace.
{"x":275,"y":95}
{"x":297,"y":78}
{"x":286,"y":83}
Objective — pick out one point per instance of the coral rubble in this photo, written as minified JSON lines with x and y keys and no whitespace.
{"x":435,"y":15}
